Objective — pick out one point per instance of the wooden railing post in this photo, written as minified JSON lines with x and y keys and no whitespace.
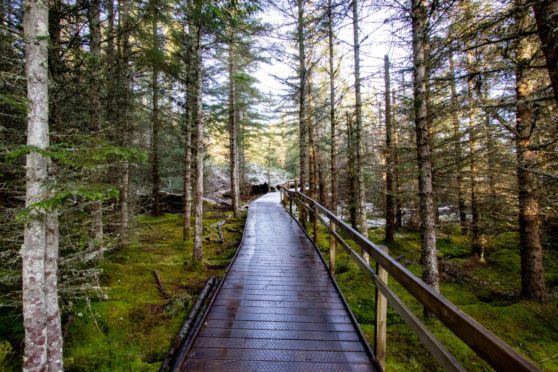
{"x":291,"y":204}
{"x":315,"y":223}
{"x":332,"y":247}
{"x":380,"y":328}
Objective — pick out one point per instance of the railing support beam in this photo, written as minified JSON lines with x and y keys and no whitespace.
{"x":380,"y":327}
{"x":332,"y":248}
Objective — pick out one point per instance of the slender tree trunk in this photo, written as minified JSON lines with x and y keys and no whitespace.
{"x":473,"y":166}
{"x":110,"y":62}
{"x":242,"y":151}
{"x":311,"y":124}
{"x":390,"y":190}
{"x":155,"y":175}
{"x":187,"y":171}
{"x":532,"y":271}
{"x":396,"y":162}
{"x":233,"y":130}
{"x":94,"y":16}
{"x":457,"y":152}
{"x":303,"y":150}
{"x":199,"y":135}
{"x":546,"y":14}
{"x":352,"y":178}
{"x":41,"y":317}
{"x":362,"y":220}
{"x":123,"y":98}
{"x":332,"y":118}
{"x":429,"y":258}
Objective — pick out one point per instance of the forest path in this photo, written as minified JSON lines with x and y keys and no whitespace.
{"x":278,"y":309}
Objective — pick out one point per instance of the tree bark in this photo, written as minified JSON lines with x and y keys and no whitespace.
{"x":457,"y":152}
{"x":476,"y":243}
{"x":303,"y":150}
{"x":429,"y":258}
{"x":233,"y":129}
{"x":198,"y":135}
{"x":362,"y":220}
{"x":390,"y":189}
{"x":41,"y":317}
{"x":188,"y":123}
{"x":122,"y":99}
{"x":94,"y":17}
{"x":352,"y":182}
{"x":546,"y":14}
{"x":532,"y":271}
{"x":332,"y":118}
{"x":396,"y":162}
{"x":155,"y":175}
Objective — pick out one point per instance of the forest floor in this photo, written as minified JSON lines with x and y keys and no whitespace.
{"x":489,"y":292}
{"x":132,"y":329}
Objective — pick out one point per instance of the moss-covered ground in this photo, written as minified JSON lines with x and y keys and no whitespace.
{"x":130,"y":324}
{"x":132,"y":328}
{"x":489,"y":292}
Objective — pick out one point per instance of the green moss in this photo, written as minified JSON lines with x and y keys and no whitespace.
{"x":133,"y":328}
{"x":486,"y":291}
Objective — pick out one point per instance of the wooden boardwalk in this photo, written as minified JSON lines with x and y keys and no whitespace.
{"x":278,"y":309}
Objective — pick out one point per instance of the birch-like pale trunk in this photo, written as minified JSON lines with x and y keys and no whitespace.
{"x":362,"y":220}
{"x":41,"y":316}
{"x":429,"y":259}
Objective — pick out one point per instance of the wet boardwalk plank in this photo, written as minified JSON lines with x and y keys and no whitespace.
{"x":277,"y":309}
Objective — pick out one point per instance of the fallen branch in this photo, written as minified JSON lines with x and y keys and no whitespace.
{"x":160,"y":285}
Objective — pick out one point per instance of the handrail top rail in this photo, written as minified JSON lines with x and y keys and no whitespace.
{"x":486,"y":344}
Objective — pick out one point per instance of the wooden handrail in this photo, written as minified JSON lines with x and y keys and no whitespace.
{"x":488,"y":346}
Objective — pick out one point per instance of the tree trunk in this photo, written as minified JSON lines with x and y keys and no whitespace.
{"x":303,"y":150}
{"x":332,"y":118}
{"x":311,"y":124}
{"x":390,"y":190}
{"x":188,"y":123}
{"x":41,"y":317}
{"x":155,"y":175}
{"x":362,"y":220}
{"x":233,"y":130}
{"x":395,"y":128}
{"x":532,"y":271}
{"x":110,"y":62}
{"x":457,"y":152}
{"x":352,"y":182}
{"x":198,"y":135}
{"x":429,"y":258}
{"x":546,"y":14}
{"x":475,"y":207}
{"x":123,"y":98}
{"x":94,"y":16}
